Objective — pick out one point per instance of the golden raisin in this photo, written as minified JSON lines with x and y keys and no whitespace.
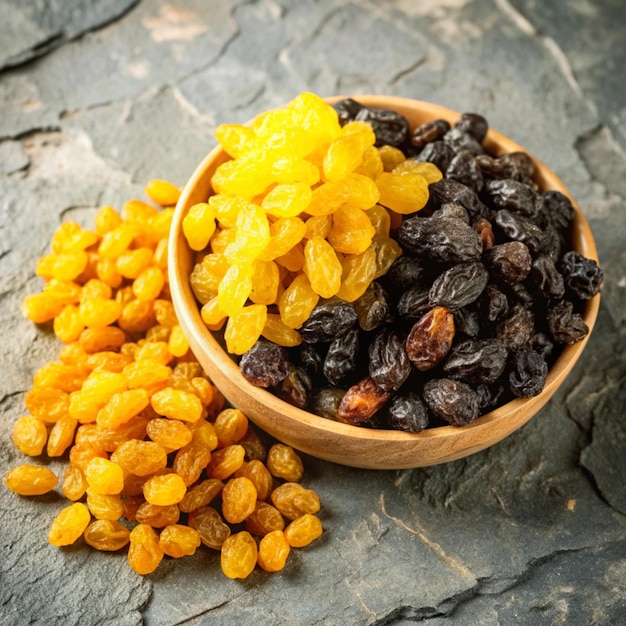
{"x":190,"y":461}
{"x":177,"y":540}
{"x":210,"y":525}
{"x":226,"y":461}
{"x":230,"y":426}
{"x":303,"y":530}
{"x":157,"y":515}
{"x":264,"y":519}
{"x":69,"y":525}
{"x":201,"y":494}
{"x":104,"y":476}
{"x":238,"y":499}
{"x":293,"y":500}
{"x":164,"y":490}
{"x":30,"y":480}
{"x":239,"y":555}
{"x":30,"y":435}
{"x":273,"y":551}
{"x":106,"y":535}
{"x":259,"y":475}
{"x":142,"y":458}
{"x":284,"y":462}
{"x":144,"y":552}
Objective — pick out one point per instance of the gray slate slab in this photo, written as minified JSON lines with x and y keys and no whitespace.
{"x":531,"y":531}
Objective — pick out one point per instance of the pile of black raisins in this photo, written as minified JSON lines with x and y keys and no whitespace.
{"x":469,"y":317}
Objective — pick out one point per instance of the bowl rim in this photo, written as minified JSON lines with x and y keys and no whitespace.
{"x":200,"y":337}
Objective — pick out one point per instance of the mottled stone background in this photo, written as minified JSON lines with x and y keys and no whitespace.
{"x":99,"y":96}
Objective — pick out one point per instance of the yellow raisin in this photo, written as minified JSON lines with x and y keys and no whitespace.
{"x":226,"y":461}
{"x":106,"y":535}
{"x":260,"y":476}
{"x":201,"y":494}
{"x":210,"y":525}
{"x":170,"y":434}
{"x":190,"y":461}
{"x":69,"y":525}
{"x":244,"y":328}
{"x":264,"y":519}
{"x":177,"y":404}
{"x":156,"y":515}
{"x":30,"y":435}
{"x":297,"y":302}
{"x":47,"y":404}
{"x":162,"y":192}
{"x":177,"y":540}
{"x":199,"y":225}
{"x":238,"y":499}
{"x":30,"y":480}
{"x":402,"y":193}
{"x":230,"y":426}
{"x":104,"y":506}
{"x":61,"y":436}
{"x":122,"y":407}
{"x":303,"y":530}
{"x":164,"y":490}
{"x":142,"y":458}
{"x":294,"y":500}
{"x":104,"y":476}
{"x":284,"y":462}
{"x":74,"y":484}
{"x":322,"y":267}
{"x":273,"y":551}
{"x":144,"y":552}
{"x":239,"y":554}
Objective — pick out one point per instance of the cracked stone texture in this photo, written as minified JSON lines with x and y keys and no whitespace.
{"x":97,"y":100}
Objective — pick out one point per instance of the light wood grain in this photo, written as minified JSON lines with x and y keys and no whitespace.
{"x":334,"y":441}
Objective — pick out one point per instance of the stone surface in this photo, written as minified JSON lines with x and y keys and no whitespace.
{"x":97,"y":101}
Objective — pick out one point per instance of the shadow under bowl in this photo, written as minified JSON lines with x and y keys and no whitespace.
{"x":343,"y":443}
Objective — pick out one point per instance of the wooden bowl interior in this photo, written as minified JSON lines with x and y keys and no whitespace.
{"x":342,"y":443}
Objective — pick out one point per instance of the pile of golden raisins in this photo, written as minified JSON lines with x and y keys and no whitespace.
{"x":296,"y":217}
{"x":157,"y":463}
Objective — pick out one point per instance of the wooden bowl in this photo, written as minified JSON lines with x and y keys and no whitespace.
{"x":342,"y":443}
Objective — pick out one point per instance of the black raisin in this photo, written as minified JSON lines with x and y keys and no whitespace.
{"x":429,"y":132}
{"x":390,"y":128}
{"x":452,"y":400}
{"x":389,"y":364}
{"x":445,"y":240}
{"x":347,"y":110}
{"x":514,"y":196}
{"x":508,"y":262}
{"x":463,"y":169}
{"x":295,"y":387}
{"x":407,"y":411}
{"x":458,"y":286}
{"x":582,"y":276}
{"x":564,"y":324}
{"x":342,"y":359}
{"x":372,"y":308}
{"x":547,"y":278}
{"x":476,"y":361}
{"x":528,"y":373}
{"x":438,"y":153}
{"x":517,"y":328}
{"x":458,"y":139}
{"x":327,"y":321}
{"x":265,"y":364}
{"x":473,"y":124}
